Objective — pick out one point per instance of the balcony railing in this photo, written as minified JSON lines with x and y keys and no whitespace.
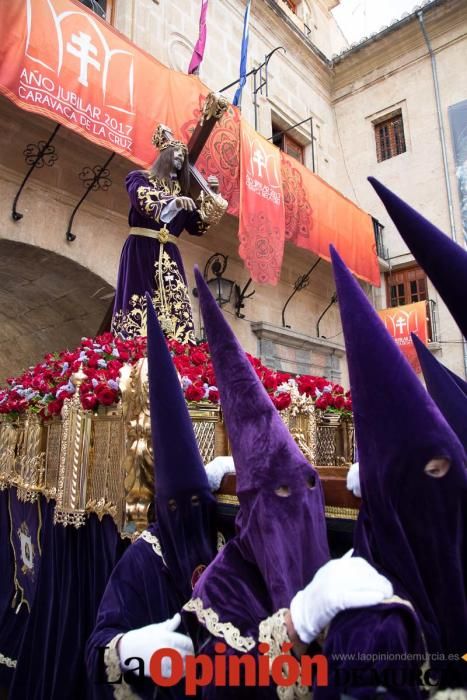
{"x":431,"y":321}
{"x":381,"y":250}
{"x":97,"y":6}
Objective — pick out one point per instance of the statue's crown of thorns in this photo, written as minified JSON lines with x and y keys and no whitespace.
{"x":162,"y":139}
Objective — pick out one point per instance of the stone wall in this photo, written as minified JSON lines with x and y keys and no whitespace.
{"x":47,"y":303}
{"x":393,"y":71}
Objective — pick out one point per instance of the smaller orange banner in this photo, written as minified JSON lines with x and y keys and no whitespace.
{"x":262,"y":215}
{"x":401,"y":321}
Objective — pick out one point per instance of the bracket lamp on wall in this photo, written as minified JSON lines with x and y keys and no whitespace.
{"x":222,"y":287}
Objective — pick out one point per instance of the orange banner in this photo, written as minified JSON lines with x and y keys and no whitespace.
{"x":401,"y":321}
{"x":59,"y":59}
{"x":261,"y":219}
{"x":316,"y":215}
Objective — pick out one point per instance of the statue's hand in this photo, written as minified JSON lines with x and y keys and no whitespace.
{"x":185,"y":203}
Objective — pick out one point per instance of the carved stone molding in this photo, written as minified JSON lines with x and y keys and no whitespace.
{"x":285,"y":349}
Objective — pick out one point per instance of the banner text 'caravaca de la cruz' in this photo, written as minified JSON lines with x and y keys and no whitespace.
{"x":60,"y":60}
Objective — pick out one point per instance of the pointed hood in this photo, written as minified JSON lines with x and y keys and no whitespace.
{"x":443,"y":260}
{"x":404,"y":443}
{"x":461,"y":383}
{"x":262,"y":447}
{"x":185,"y":507}
{"x":174,"y":441}
{"x":445,"y":392}
{"x":281,"y":531}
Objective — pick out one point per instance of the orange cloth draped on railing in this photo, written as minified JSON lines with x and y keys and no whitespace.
{"x":60,"y":60}
{"x":261,"y":217}
{"x":316,"y":215}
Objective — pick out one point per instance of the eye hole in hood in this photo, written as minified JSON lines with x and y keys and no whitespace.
{"x":437,"y":467}
{"x":283,"y":491}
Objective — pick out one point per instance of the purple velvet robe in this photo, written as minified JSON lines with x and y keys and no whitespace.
{"x":140,"y":592}
{"x":139,"y":261}
{"x":75,"y":567}
{"x":361,"y":649}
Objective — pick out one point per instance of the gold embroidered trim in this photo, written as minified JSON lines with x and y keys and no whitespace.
{"x":273,"y":631}
{"x":6,"y":661}
{"x":338,"y":512}
{"x":170,"y":300}
{"x":220,"y":541}
{"x":225,"y":630}
{"x":122,"y":691}
{"x":154,"y":542}
{"x":426,"y":664}
{"x":152,"y":199}
{"x":228,"y":499}
{"x":19,"y":590}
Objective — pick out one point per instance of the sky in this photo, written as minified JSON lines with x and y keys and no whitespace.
{"x":359,"y":18}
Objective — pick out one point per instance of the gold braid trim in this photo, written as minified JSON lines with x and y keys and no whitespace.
{"x":426,"y":664}
{"x":225,"y":630}
{"x":6,"y":661}
{"x":122,"y":691}
{"x":273,"y":631}
{"x":154,"y":542}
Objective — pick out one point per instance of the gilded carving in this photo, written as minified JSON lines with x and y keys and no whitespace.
{"x":212,"y":207}
{"x":138,"y":463}
{"x":214,"y":107}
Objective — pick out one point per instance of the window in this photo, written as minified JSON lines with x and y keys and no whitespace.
{"x":390,"y":139}
{"x":287,"y":144}
{"x":406,"y":286}
{"x":100,"y":7}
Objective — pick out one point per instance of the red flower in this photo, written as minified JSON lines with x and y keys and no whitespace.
{"x":198,"y":357}
{"x":89,"y":401}
{"x":54,"y":407}
{"x":195,"y":392}
{"x":209,"y":376}
{"x":324,"y":401}
{"x":338,"y":401}
{"x":270,"y":380}
{"x":282,"y":401}
{"x":213,"y":395}
{"x":105,"y":395}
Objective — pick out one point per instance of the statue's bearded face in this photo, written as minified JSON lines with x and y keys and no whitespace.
{"x":178,"y":158}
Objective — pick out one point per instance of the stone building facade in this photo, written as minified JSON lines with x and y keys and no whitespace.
{"x":344,"y":92}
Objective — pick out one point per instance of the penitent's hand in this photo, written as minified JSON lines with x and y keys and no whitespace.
{"x":185,"y":203}
{"x":341,"y":584}
{"x":143,"y":642}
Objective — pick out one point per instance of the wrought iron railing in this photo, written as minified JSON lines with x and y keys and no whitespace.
{"x":431,"y":321}
{"x":381,"y":250}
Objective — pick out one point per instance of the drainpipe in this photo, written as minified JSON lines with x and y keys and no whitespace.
{"x":442,"y":138}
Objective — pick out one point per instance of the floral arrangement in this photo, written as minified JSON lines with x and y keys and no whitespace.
{"x":43,"y":389}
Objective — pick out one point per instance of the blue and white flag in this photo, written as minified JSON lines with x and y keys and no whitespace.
{"x":244,"y":54}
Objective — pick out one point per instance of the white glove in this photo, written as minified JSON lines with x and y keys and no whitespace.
{"x":144,"y":641}
{"x":217,"y":469}
{"x":353,"y":480}
{"x":349,"y":582}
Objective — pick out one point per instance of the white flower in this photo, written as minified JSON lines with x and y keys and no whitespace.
{"x":186,"y":382}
